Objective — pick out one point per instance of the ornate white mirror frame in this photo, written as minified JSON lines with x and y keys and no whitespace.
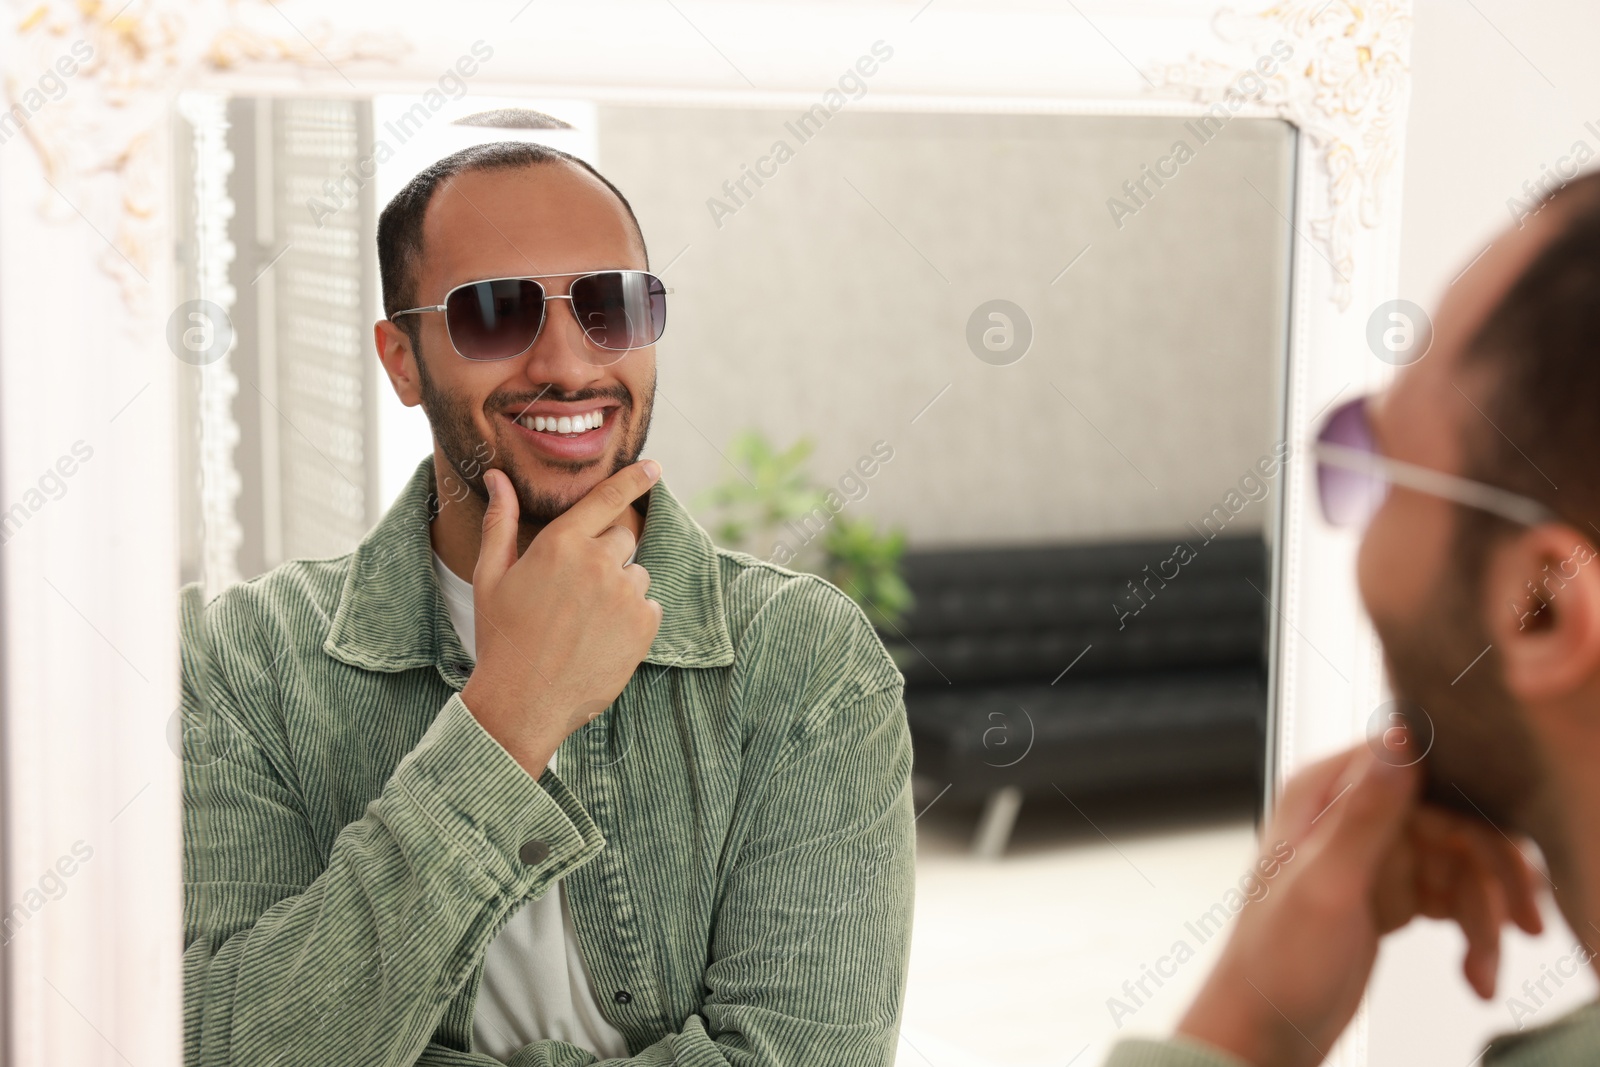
{"x":89,"y":383}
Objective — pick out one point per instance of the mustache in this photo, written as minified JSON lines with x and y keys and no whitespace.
{"x":512,"y":399}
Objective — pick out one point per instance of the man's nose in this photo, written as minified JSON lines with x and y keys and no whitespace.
{"x":562,"y":355}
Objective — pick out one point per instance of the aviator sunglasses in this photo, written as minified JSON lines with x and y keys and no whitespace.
{"x":499,"y":318}
{"x":1353,"y":477}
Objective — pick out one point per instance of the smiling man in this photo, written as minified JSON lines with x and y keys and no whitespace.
{"x":537,"y":774}
{"x":1475,"y":477}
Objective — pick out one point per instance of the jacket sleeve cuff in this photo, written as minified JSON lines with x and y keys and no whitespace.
{"x":462,"y":788}
{"x":1173,"y":1052}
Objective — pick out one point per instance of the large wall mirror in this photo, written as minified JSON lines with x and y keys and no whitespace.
{"x":1035,"y":362}
{"x":1023,"y":365}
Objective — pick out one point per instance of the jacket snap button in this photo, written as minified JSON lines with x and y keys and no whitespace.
{"x":622,"y":996}
{"x":533,"y":852}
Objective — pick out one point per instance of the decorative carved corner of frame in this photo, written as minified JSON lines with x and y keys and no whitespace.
{"x":1344,"y":83}
{"x":89,"y":86}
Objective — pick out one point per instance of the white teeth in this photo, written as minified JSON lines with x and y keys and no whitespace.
{"x":566,"y":424}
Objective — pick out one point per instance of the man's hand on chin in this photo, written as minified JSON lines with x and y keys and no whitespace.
{"x":1368,"y":857}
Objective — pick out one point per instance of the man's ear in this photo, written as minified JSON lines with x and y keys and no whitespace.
{"x":399,"y":362}
{"x":1542,"y":590}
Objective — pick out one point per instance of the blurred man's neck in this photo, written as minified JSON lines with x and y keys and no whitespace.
{"x":1564,"y":820}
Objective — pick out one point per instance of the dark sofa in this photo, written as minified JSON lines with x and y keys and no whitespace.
{"x":1086,"y":667}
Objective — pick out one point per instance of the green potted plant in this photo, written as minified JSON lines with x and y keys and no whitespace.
{"x":866,"y":565}
{"x":767,"y":488}
{"x":757,"y":505}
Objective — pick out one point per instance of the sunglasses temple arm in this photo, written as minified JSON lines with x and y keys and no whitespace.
{"x":1496,"y":501}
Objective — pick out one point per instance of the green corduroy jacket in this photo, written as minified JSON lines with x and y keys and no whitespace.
{"x":735,"y":831}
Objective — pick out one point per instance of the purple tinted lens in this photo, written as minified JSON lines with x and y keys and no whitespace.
{"x":1349,"y":497}
{"x":495,"y":319}
{"x":620,"y":309}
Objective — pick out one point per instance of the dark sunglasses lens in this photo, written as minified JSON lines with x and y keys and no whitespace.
{"x":495,"y":319}
{"x":1349,"y":497}
{"x":620,"y":309}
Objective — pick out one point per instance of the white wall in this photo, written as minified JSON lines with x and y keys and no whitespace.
{"x":833,"y":304}
{"x":1484,"y":120}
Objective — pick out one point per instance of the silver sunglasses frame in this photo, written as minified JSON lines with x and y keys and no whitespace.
{"x":1513,"y":507}
{"x":544,"y":317}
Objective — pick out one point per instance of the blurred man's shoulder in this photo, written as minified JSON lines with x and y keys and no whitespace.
{"x":1572,"y":1039}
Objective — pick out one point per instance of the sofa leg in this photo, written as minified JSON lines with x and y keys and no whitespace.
{"x":994,"y":825}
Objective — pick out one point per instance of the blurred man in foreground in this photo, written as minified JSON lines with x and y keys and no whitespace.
{"x":1475,"y":476}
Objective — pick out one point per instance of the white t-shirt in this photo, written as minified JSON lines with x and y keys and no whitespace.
{"x":535,"y":985}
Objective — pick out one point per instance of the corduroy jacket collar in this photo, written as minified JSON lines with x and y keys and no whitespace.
{"x":390,"y":579}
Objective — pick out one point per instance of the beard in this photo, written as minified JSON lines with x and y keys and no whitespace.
{"x":1481,"y":757}
{"x":470,"y":455}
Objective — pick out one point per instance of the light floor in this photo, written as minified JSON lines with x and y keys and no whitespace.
{"x":1013,"y":961}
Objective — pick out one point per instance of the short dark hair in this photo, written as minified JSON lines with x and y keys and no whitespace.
{"x":400,"y":224}
{"x":1539,"y":349}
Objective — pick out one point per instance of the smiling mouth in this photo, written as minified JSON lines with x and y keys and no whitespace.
{"x":564,"y":425}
